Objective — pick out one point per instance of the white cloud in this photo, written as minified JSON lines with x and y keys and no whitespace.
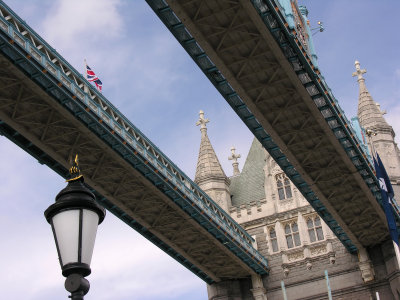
{"x":84,"y":29}
{"x":71,"y":22}
{"x":147,"y":75}
{"x":125,"y":265}
{"x":131,"y":265}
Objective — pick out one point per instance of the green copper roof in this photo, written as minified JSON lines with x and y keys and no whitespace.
{"x":249,"y":185}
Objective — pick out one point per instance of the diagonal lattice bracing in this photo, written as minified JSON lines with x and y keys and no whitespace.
{"x":258,"y":91}
{"x":52,"y":118}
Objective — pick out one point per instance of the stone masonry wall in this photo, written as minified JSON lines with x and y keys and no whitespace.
{"x":345,"y":277}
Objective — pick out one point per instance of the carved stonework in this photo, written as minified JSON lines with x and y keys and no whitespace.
{"x":309,"y":265}
{"x":365,"y":265}
{"x":218,"y":198}
{"x":367,"y":271}
{"x":286,"y":204}
{"x":295,"y":256}
{"x":286,"y":270}
{"x":322,"y":249}
{"x":259,"y":294}
{"x":258,"y":290}
{"x":306,"y":255}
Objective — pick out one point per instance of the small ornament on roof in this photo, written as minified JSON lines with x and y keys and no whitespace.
{"x":359,"y":72}
{"x":235,"y":163}
{"x":202,"y":121}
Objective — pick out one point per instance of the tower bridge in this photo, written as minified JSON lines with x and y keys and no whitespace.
{"x":257,"y":56}
{"x":52,"y":112}
{"x":258,"y":61}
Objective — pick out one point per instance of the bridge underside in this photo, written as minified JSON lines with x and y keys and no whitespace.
{"x":277,"y":99}
{"x":44,"y":128}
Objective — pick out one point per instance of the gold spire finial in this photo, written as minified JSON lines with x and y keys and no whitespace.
{"x":74,"y":171}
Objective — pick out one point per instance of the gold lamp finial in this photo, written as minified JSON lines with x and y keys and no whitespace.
{"x":74,"y":171}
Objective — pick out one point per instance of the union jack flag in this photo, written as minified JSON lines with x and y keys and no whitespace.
{"x":92,"y":77}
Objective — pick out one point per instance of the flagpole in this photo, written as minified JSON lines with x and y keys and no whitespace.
{"x":84,"y":67}
{"x":85,"y":88}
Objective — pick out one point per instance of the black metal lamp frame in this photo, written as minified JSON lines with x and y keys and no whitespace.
{"x":75,"y":196}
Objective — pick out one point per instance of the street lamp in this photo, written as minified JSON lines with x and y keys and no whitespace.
{"x":74,"y":218}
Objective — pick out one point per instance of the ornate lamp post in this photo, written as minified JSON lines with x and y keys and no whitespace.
{"x":74,"y":218}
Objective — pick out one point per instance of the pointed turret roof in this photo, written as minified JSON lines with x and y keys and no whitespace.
{"x":249,"y":185}
{"x":208,"y":166}
{"x":369,"y":113}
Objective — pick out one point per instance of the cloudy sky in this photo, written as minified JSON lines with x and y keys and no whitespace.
{"x":151,"y":79}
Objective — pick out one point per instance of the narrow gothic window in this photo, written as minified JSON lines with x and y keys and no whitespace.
{"x":274,"y":240}
{"x":283,"y":185}
{"x":315,"y":229}
{"x":292,"y":235}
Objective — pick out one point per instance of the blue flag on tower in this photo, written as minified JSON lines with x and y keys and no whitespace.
{"x":92,"y":77}
{"x":387,"y":197}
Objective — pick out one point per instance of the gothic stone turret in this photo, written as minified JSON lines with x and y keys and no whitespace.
{"x":210,"y":176}
{"x":371,"y":118}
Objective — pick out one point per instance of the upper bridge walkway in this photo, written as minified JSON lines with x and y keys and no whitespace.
{"x":258,"y":60}
{"x":52,"y":112}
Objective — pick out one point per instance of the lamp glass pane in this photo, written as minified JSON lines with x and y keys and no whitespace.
{"x":90,"y":221}
{"x":66,"y":227}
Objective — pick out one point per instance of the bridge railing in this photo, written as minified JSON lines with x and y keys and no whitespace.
{"x":312,"y":80}
{"x":52,"y":63}
{"x":200,"y":57}
{"x":273,"y":16}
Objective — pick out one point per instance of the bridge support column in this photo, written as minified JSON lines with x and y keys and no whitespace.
{"x":392,"y":268}
{"x":258,"y":290}
{"x":239,"y":289}
{"x":224,"y":290}
{"x":365,"y":265}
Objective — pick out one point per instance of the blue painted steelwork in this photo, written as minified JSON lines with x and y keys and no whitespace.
{"x":271,"y":13}
{"x":43,"y":158}
{"x":49,"y":70}
{"x":361,"y":136}
{"x":165,"y":13}
{"x":286,"y":7}
{"x":311,"y":48}
{"x":320,"y":92}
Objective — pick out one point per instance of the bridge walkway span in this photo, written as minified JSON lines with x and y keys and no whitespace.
{"x":52,"y":112}
{"x":260,"y":65}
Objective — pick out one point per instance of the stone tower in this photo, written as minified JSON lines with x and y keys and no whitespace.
{"x":297,"y":243}
{"x":209,"y":174}
{"x":371,"y":118}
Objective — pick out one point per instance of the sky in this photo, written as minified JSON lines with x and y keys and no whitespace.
{"x":149,"y":77}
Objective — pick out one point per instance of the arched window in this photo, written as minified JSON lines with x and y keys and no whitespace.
{"x":292,"y":235}
{"x":283,"y":185}
{"x":273,"y":239}
{"x":315,"y":229}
